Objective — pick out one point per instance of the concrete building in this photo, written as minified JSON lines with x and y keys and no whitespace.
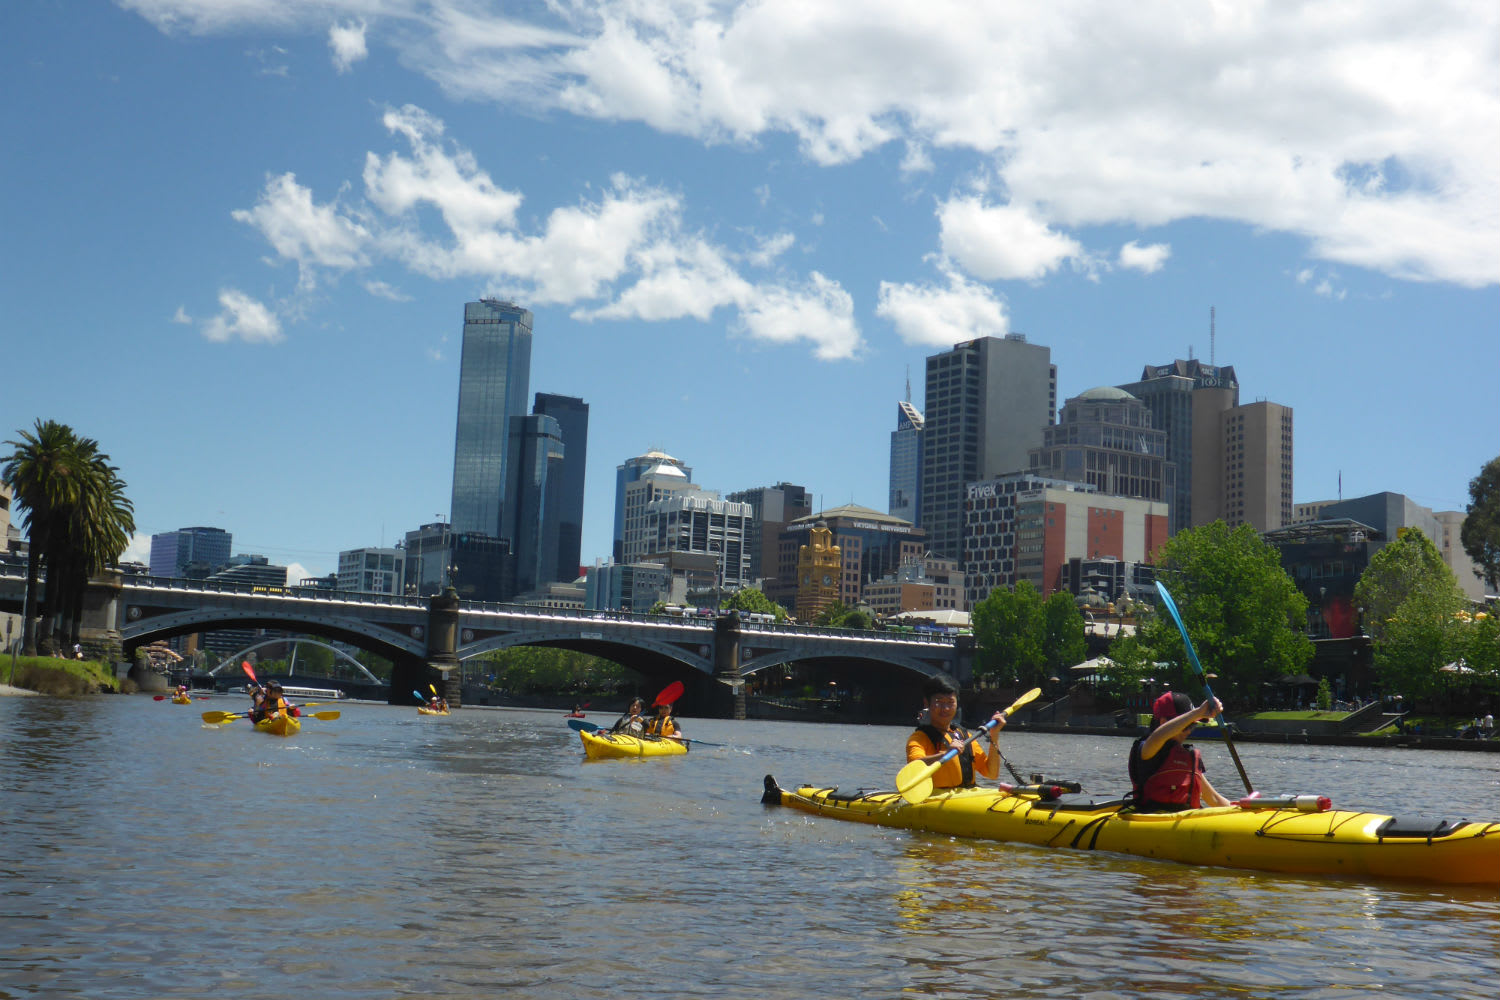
{"x":1025,"y":527}
{"x":650,"y":485}
{"x":572,"y":416}
{"x":1255,"y":478}
{"x":772,"y":509}
{"x":630,"y":471}
{"x":871,"y":546}
{"x":634,"y":587}
{"x":819,"y":564}
{"x":373,"y":570}
{"x":987,"y":401}
{"x":1186,"y":400}
{"x":1104,"y":437}
{"x":493,"y":381}
{"x":906,"y":464}
{"x":173,"y":552}
{"x":427,"y":559}
{"x":927,"y":583}
{"x":257,"y":571}
{"x":698,"y":522}
{"x":1450,"y":523}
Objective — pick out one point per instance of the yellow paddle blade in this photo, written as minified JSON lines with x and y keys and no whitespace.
{"x":220,"y":717}
{"x":914,"y":781}
{"x":1025,"y":699}
{"x":920,"y":791}
{"x":325,"y":715}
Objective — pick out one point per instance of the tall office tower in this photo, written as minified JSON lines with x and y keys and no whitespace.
{"x":493,"y":380}
{"x":772,"y":509}
{"x":200,"y":551}
{"x":533,"y":495}
{"x":630,"y":471}
{"x":665,"y":478}
{"x":987,"y":403}
{"x":427,"y":559}
{"x":1255,"y":477}
{"x":906,"y":464}
{"x":1186,"y":399}
{"x":572,"y":415}
{"x":1104,"y":437}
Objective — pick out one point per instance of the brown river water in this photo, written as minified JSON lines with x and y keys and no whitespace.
{"x":385,"y":854}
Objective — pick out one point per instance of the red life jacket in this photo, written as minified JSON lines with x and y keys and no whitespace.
{"x":1170,"y":780}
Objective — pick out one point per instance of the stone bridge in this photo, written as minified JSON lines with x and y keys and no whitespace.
{"x":427,"y":639}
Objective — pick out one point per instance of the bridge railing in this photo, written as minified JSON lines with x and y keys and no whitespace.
{"x":263,"y":590}
{"x":584,"y":614}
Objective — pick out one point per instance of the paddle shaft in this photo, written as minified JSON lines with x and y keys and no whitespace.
{"x":1166,"y":597}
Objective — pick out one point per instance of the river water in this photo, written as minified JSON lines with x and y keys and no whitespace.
{"x":387,"y":854}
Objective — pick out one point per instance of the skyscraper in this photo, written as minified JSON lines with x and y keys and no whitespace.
{"x":906,"y":464}
{"x":1186,"y":399}
{"x":630,"y":471}
{"x":493,"y":382}
{"x":1104,"y":437}
{"x":205,"y":549}
{"x":533,"y":497}
{"x":987,"y":403}
{"x":572,"y":416}
{"x":773,"y":508}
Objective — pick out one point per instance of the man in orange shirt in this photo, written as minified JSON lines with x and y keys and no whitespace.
{"x":940,"y":732}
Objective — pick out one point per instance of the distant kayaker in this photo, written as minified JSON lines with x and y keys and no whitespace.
{"x":438,"y":703}
{"x":257,"y":702}
{"x":632,"y":721}
{"x":275,"y":704}
{"x":1166,"y":772}
{"x":663,"y":724}
{"x":933,"y":738}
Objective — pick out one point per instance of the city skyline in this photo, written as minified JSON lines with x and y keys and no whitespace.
{"x":733,"y":252}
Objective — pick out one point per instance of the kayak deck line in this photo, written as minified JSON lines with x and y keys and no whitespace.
{"x":1279,"y":838}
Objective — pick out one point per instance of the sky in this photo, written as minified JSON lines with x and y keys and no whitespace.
{"x":236,"y":236}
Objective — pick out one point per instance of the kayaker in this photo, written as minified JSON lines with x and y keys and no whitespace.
{"x":933,"y":738}
{"x":438,"y":703}
{"x":631,"y":721}
{"x":1165,"y":771}
{"x":275,"y":704}
{"x":663,"y":724}
{"x":257,"y":702}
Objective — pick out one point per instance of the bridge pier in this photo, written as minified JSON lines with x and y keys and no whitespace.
{"x":441,"y":667}
{"x":727,"y":661}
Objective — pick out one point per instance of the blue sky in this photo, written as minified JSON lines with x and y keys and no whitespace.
{"x":238,"y":234}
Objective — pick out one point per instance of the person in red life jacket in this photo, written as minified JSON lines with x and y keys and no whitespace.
{"x":933,"y":738}
{"x":1165,"y":771}
{"x":275,"y":704}
{"x":663,"y":724}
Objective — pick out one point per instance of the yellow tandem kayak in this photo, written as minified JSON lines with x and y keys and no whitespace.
{"x":280,"y":725}
{"x":601,"y":745}
{"x":1284,"y":839}
{"x":430,"y":711}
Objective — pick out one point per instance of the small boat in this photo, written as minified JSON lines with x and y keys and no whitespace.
{"x":177,"y":700}
{"x":281,"y":724}
{"x":601,"y":745}
{"x":431,"y":711}
{"x":1293,"y":834}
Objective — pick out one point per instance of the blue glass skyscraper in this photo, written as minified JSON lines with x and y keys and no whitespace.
{"x":493,"y":389}
{"x":572,"y":416}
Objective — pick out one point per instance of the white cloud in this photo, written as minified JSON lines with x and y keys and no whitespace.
{"x":346,"y":43}
{"x":1147,"y":259}
{"x":138,"y":549}
{"x":181,"y":316}
{"x":769,"y":248}
{"x":312,"y":235}
{"x":1367,"y":130}
{"x":1002,"y":242}
{"x":938,"y":316}
{"x":242,"y":317}
{"x":384,"y":290}
{"x":819,"y":311}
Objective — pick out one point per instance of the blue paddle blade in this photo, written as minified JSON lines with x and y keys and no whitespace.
{"x":580,"y":726}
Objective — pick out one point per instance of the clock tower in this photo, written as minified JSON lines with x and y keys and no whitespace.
{"x":818,"y":566}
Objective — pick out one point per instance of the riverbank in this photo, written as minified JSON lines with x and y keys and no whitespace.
{"x":7,"y":691}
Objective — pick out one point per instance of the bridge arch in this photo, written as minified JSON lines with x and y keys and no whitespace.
{"x":383,"y":642}
{"x":295,"y":642}
{"x":776,"y":658}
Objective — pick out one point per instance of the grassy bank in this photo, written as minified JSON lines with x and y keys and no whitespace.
{"x":56,"y":676}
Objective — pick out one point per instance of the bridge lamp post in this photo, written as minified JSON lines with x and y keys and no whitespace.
{"x":10,"y":626}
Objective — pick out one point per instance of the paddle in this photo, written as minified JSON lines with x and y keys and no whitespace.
{"x":218,"y":718}
{"x":580,"y":726}
{"x":669,"y":694}
{"x":249,"y":672}
{"x":1171,"y":605}
{"x":914,"y":781}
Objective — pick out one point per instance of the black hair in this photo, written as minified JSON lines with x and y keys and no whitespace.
{"x":938,"y":684}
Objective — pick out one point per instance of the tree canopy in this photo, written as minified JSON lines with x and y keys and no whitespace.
{"x":1245,"y":615}
{"x":1480,"y":533}
{"x":1413,"y":610}
{"x":754,"y":601}
{"x":1024,"y":639}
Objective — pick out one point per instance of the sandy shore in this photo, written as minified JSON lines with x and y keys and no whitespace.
{"x":6,"y":691}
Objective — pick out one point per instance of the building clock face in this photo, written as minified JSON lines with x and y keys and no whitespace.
{"x":827,"y":580}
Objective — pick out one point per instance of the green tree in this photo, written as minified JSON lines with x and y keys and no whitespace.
{"x":840,"y":615}
{"x":1009,"y":634}
{"x":1063,"y":644}
{"x":1407,"y":566}
{"x":1480,"y":533}
{"x":1419,"y":638}
{"x":77,"y":518}
{"x":1246,"y":617}
{"x":754,"y":601}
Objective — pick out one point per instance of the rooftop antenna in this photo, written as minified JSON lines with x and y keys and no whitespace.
{"x":1211,"y":341}
{"x":908,"y":383}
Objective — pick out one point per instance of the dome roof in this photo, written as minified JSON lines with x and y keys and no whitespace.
{"x":1104,"y":392}
{"x":665,"y":470}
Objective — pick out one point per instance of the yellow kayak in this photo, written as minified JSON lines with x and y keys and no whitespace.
{"x":182,"y":701}
{"x":280,"y":725}
{"x":1272,"y":838}
{"x":430,"y":711}
{"x":601,"y":745}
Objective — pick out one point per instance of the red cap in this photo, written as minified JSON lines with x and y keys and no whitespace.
{"x":1164,"y":708}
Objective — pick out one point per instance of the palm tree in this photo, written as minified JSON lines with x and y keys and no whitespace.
{"x":77,"y":518}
